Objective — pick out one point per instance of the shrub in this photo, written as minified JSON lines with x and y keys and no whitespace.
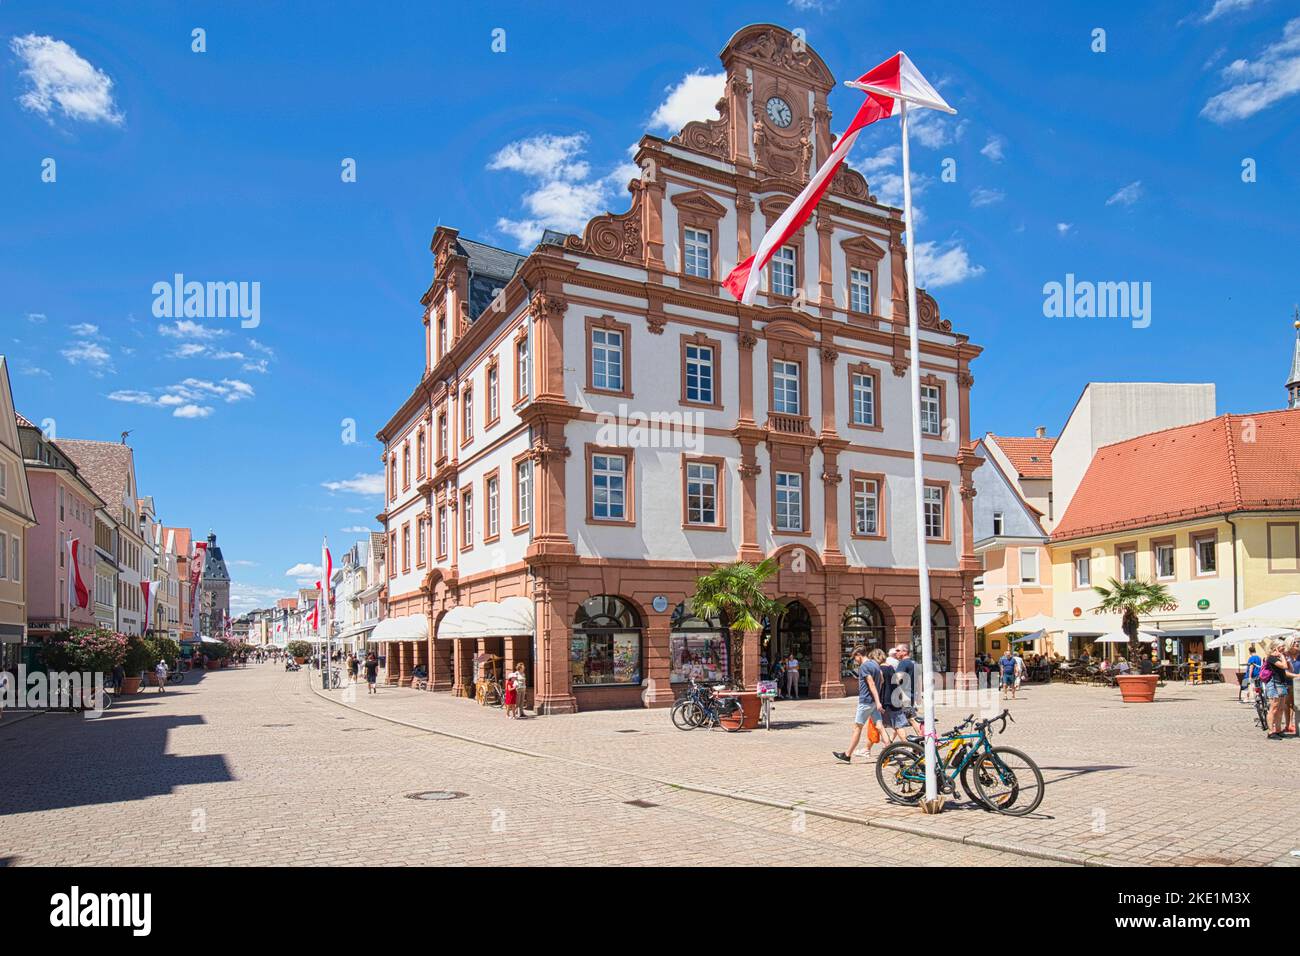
{"x":299,"y":649}
{"x":141,"y":654}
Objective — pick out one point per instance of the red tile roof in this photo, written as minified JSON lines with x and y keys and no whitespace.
{"x":1230,"y":463}
{"x":287,"y":604}
{"x":1031,"y":457}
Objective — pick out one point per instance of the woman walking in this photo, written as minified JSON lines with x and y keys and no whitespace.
{"x":1277,"y":676}
{"x":372,"y":672}
{"x":792,"y":677}
{"x":520,"y":682}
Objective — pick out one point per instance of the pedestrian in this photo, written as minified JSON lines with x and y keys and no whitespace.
{"x":1007,"y":666}
{"x":1019,"y":674}
{"x":1276,"y":676}
{"x":160,"y":675}
{"x":869,"y":686}
{"x":372,"y":672}
{"x":1293,"y":658}
{"x":893,"y":714}
{"x":520,"y":681}
{"x":352,"y":668}
{"x":119,"y":675}
{"x":792,"y":677}
{"x":907,"y":684}
{"x":1250,"y":680}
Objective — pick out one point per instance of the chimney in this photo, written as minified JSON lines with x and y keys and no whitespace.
{"x":1040,"y":431}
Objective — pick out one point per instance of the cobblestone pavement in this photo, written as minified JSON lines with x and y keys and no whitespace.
{"x":1175,"y":782}
{"x":252,"y":767}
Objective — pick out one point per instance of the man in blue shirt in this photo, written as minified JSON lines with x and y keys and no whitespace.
{"x":870,"y":678}
{"x":1007,"y":664}
{"x":1251,"y":679}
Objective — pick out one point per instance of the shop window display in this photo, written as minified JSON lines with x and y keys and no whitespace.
{"x":698,"y":648}
{"x":605,"y":647}
{"x":862,"y":624}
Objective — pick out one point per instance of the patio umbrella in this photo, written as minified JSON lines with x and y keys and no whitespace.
{"x":1026,"y":638}
{"x":1039,"y":622}
{"x":1251,"y":635}
{"x":1118,"y":637}
{"x":1280,"y":612}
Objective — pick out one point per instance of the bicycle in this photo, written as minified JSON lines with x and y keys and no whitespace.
{"x":1261,"y":708}
{"x":1001,"y":776}
{"x":704,"y":707}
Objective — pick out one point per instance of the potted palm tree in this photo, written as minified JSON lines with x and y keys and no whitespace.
{"x":1133,"y":600}
{"x":734,"y":592}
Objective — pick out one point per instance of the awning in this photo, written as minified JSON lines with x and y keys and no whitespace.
{"x":984,"y":618}
{"x":512,"y":617}
{"x":1119,"y":637}
{"x":1029,"y":638}
{"x":210,"y":640}
{"x":1251,"y":635}
{"x":1039,"y":622}
{"x":413,"y":627}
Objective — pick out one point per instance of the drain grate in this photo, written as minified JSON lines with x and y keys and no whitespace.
{"x":436,"y":795}
{"x":643,"y":804}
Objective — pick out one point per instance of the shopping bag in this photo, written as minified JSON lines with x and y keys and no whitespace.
{"x":873,"y":732}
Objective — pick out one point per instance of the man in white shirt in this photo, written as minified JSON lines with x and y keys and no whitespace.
{"x":160,"y":674}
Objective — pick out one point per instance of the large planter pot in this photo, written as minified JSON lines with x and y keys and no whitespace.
{"x":300,"y":661}
{"x":214,"y":665}
{"x":130,"y":685}
{"x":1137,"y":688}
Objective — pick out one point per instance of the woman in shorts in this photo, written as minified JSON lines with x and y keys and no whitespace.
{"x":1277,"y":689}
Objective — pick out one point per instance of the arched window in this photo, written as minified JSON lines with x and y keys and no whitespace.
{"x":864,"y":624}
{"x":939,"y":634}
{"x":698,"y":647}
{"x":605,"y":647}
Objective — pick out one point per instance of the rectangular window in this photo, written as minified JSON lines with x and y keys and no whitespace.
{"x":494,"y":394}
{"x":4,"y":553}
{"x":997,"y":524}
{"x":697,"y":256}
{"x":608,"y":487}
{"x":701,"y":493}
{"x":421,"y":541}
{"x":1164,"y":554}
{"x":864,"y":399}
{"x":1128,"y":561}
{"x":523,"y":494}
{"x":699,"y":374}
{"x":1028,"y":565}
{"x":785,"y":387}
{"x":442,"y":531}
{"x":406,"y":465}
{"x":4,"y":481}
{"x":15,"y":568}
{"x":521,"y":370}
{"x":467,"y":415}
{"x":492,"y":492}
{"x":979,"y":578}
{"x":467,"y":520}
{"x":866,"y":506}
{"x":406,"y":547}
{"x":784,"y":263}
{"x":860,"y":290}
{"x":607,"y":359}
{"x":442,"y":336}
{"x":1082,"y":571}
{"x":933,"y":511}
{"x":442,"y":436}
{"x":931,"y":413}
{"x":392,"y":551}
{"x":1206,"y":555}
{"x":422,"y":452}
{"x":789,"y":501}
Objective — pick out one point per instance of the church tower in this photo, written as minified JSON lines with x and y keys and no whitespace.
{"x":1293,"y":383}
{"x":215,"y":596}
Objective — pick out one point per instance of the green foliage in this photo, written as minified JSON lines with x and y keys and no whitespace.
{"x":92,"y":649}
{"x":299,"y":649}
{"x":1133,"y":600}
{"x":217,"y":651}
{"x":735,"y":593}
{"x":167,"y":649}
{"x":141,"y":654}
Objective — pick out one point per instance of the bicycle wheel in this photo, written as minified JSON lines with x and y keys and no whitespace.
{"x":177,"y":677}
{"x":683,"y":715}
{"x":731,"y":715}
{"x":900,"y":771}
{"x":1008,"y":781}
{"x":969,"y":787}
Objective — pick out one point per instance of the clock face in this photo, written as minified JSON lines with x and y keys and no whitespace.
{"x":778,"y":111}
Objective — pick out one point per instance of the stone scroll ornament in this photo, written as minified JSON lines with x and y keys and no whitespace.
{"x":896,"y":74}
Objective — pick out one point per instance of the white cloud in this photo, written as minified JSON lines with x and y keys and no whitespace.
{"x":259,"y":366}
{"x":132,"y":397}
{"x":929,"y":128}
{"x":257,"y":346}
{"x":1224,"y":7}
{"x":565,"y":196}
{"x":302,"y":570}
{"x":1257,"y":84}
{"x":86,"y":352}
{"x":36,"y":317}
{"x":59,"y":79}
{"x":994,"y":149}
{"x":34,"y":370}
{"x":940,"y":264}
{"x":247,"y":597}
{"x":885,"y":179}
{"x":188,"y":350}
{"x":981,"y":196}
{"x":192,"y":411}
{"x":185,"y":329}
{"x":362,"y":484}
{"x":357,"y":529}
{"x":1126,"y":195}
{"x":1064,"y":227}
{"x":85,"y":330}
{"x":694,"y":98}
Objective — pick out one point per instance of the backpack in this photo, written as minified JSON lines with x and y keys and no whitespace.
{"x":1266,"y":673}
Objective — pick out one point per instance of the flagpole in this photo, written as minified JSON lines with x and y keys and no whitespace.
{"x":918,"y":470}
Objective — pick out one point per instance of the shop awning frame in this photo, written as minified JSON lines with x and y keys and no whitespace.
{"x":512,"y":617}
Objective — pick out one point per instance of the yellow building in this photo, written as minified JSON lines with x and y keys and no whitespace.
{"x":1211,"y":510}
{"x":16,"y":516}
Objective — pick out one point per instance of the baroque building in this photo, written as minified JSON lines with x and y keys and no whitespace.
{"x":599,"y":423}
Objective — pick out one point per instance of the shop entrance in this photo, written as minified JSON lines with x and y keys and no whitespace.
{"x":792,"y":634}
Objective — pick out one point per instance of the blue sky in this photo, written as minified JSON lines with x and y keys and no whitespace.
{"x":1122,"y":165}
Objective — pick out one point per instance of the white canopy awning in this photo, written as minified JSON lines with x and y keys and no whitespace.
{"x":1251,"y":635}
{"x":512,"y":617}
{"x":1119,"y":637}
{"x":1280,"y":612}
{"x":1039,"y":622}
{"x":984,"y":618}
{"x":413,"y":627}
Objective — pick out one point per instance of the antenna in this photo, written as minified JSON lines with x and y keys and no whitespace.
{"x":124,"y":434}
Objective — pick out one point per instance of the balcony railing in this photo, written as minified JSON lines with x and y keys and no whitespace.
{"x":788,"y":424}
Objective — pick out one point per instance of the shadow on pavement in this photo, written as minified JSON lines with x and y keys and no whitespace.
{"x":102,"y":761}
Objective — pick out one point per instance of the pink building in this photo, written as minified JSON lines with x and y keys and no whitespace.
{"x":65,"y":509}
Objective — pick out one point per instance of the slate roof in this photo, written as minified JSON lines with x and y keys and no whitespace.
{"x":1230,"y":463}
{"x":490,"y":269}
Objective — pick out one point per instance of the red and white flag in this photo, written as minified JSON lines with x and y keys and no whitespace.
{"x":78,"y":596}
{"x":147,"y":589}
{"x":886,"y":86}
{"x":327,"y":572}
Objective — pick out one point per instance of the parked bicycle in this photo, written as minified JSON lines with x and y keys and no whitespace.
{"x":708,"y":706}
{"x":1000,"y":779}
